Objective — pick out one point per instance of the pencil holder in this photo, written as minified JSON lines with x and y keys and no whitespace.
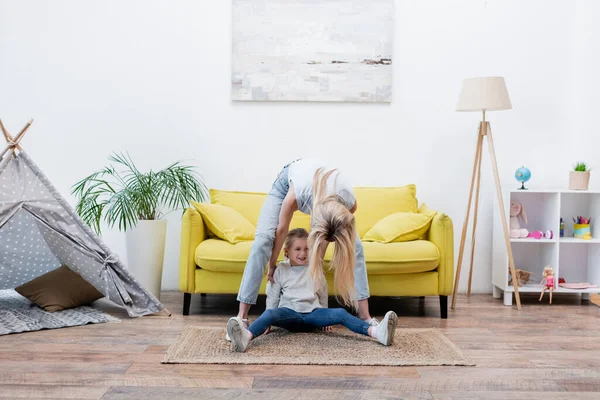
{"x":581,"y":231}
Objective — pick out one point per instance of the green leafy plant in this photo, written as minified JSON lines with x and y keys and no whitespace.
{"x":125,"y":197}
{"x":581,"y":167}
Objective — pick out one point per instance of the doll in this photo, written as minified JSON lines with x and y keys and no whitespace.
{"x":548,"y":282}
{"x":517,"y":210}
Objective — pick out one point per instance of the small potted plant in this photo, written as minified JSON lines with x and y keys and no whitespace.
{"x":135,"y":201}
{"x":579,"y":178}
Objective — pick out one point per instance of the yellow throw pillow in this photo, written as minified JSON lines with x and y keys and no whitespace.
{"x":375,"y":203}
{"x":399,"y":227}
{"x":423,"y":209}
{"x":248,"y":204}
{"x":225,"y":222}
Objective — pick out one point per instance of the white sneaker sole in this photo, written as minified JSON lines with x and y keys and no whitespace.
{"x":391,"y":327}
{"x":228,"y":338}
{"x":234,"y":330}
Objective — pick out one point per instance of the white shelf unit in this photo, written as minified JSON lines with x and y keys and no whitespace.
{"x":575,"y":260}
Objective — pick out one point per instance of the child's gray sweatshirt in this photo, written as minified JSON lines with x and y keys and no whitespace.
{"x":293,"y":288}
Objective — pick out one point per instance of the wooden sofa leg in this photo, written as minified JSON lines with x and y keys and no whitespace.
{"x":187,"y":299}
{"x":444,"y":307}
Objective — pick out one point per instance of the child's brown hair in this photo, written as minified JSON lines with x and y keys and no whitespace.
{"x":297,"y":233}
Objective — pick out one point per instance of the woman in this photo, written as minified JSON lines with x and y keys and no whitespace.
{"x":309,"y":186}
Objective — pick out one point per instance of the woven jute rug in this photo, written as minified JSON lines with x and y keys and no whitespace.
{"x":202,"y":345}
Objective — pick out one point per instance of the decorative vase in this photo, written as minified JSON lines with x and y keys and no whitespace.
{"x":146,"y":252}
{"x":579,"y":180}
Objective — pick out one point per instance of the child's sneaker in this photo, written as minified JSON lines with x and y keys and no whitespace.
{"x":246,"y":322}
{"x":387,"y":329}
{"x":240,"y":336}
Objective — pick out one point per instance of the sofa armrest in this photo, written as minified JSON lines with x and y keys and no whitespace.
{"x":193,"y":233}
{"x":441,"y":233}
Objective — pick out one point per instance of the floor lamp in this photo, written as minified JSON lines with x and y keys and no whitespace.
{"x":481,"y":95}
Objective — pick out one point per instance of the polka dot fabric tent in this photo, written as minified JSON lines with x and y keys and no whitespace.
{"x":40,"y":231}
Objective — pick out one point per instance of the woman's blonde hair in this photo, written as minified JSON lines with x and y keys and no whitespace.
{"x":331,"y":221}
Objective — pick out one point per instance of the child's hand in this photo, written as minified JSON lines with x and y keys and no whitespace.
{"x":327,"y":328}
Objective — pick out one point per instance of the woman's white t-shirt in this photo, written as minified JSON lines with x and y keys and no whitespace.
{"x":301,"y":174}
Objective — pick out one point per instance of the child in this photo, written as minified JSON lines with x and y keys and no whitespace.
{"x":292,"y":303}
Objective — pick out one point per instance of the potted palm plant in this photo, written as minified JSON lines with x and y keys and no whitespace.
{"x":135,"y":202}
{"x":579,"y":178}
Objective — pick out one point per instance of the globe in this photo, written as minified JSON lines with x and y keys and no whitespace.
{"x":523,"y":174}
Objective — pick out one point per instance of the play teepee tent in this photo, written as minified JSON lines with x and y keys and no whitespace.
{"x":39,"y":232}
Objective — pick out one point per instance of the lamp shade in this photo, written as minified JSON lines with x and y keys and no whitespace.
{"x":487,"y":93}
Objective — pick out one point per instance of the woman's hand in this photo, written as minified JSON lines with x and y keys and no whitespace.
{"x":288,"y":207}
{"x":327,"y":328}
{"x":271,"y":273}
{"x":268,"y":330}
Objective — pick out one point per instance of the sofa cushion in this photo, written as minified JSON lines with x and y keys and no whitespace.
{"x":399,"y":227}
{"x":397,"y":258}
{"x":377,"y":203}
{"x":219,"y":255}
{"x":225,"y":222}
{"x":246,"y":203}
{"x":249,"y":205}
{"x":390,"y":258}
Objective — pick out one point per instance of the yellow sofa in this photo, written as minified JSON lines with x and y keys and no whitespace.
{"x":422,"y":267}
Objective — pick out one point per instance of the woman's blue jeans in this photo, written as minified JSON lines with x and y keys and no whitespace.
{"x":260,"y":251}
{"x":293,"y":321}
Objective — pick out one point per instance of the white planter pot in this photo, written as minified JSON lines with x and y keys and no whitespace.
{"x":146,"y":252}
{"x":579,"y":180}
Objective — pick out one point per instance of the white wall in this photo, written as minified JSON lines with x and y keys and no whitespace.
{"x":153,"y":78}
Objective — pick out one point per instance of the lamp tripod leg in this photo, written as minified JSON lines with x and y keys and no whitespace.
{"x":511,"y":262}
{"x":466,"y":222}
{"x":479,"y":156}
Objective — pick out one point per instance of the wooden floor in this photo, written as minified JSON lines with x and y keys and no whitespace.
{"x":542,"y":352}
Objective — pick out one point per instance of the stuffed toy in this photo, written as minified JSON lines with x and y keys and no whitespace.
{"x":522,"y":277}
{"x":517,"y":210}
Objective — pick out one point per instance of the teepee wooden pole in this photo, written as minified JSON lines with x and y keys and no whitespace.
{"x":166,"y":311}
{"x":8,"y":137}
{"x":5,"y":132}
{"x":14,"y":141}
{"x":6,"y":150}
{"x":22,"y":133}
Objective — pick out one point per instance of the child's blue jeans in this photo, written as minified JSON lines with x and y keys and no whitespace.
{"x":293,"y":321}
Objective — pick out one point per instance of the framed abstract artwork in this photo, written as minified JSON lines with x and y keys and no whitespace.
{"x":312,"y":50}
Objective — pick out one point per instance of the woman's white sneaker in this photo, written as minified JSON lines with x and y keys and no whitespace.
{"x":239,"y":334}
{"x":246,"y":322}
